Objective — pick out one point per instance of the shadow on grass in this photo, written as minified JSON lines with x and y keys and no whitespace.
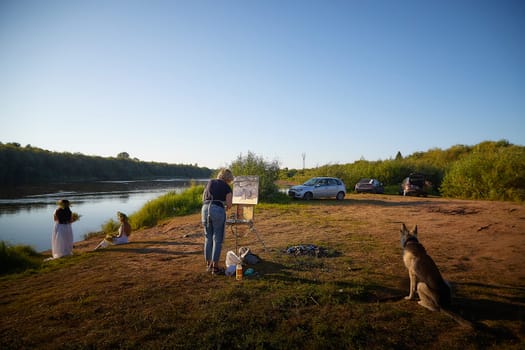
{"x":400,"y":202}
{"x":155,"y":251}
{"x":481,"y":309}
{"x":486,"y":309}
{"x":153,"y":248}
{"x":170,"y":243}
{"x":477,"y":310}
{"x":509,"y":307}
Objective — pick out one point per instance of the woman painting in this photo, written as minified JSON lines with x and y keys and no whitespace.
{"x":62,"y":237}
{"x":217,"y":198}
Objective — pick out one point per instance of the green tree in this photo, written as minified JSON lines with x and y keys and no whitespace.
{"x":493,"y":170}
{"x":29,"y":165}
{"x":268,"y":172}
{"x":123,"y":155}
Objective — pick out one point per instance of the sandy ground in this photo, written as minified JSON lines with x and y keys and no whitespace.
{"x":468,"y":239}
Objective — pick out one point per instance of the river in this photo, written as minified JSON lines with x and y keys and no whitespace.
{"x":26,"y":213}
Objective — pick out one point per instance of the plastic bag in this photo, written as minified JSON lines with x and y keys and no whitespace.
{"x":243,"y":251}
{"x":232,"y":259}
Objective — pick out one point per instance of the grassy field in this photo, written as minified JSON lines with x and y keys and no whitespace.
{"x":154,"y":293}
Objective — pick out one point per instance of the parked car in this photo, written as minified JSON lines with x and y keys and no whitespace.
{"x":319,"y":187}
{"x":414,"y":185}
{"x":369,"y":186}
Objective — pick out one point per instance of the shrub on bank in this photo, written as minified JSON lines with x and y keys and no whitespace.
{"x":169,"y":205}
{"x":164,"y":207}
{"x":17,"y":258}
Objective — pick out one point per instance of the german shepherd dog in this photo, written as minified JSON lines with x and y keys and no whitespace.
{"x":425,"y":278}
{"x":434,"y":292}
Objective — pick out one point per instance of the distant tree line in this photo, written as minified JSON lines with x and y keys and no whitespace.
{"x":490,"y":170}
{"x":31,"y":165}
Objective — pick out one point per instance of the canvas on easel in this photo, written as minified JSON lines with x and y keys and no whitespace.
{"x":245,"y":197}
{"x":246,"y":189}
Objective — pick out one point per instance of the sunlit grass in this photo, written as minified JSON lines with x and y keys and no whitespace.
{"x":167,"y":206}
{"x":154,"y":211}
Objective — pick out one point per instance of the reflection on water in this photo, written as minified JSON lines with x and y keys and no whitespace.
{"x":28,"y":217}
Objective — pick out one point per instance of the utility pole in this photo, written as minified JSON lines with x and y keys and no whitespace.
{"x":304,"y":156}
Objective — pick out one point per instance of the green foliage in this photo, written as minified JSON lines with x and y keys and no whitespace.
{"x":268,"y":173}
{"x":110,"y":226}
{"x":278,"y":198}
{"x":29,"y":165}
{"x":389,"y":172}
{"x":167,"y":206}
{"x":489,"y":170}
{"x":124,"y":155}
{"x":17,"y":258}
{"x":493,"y":171}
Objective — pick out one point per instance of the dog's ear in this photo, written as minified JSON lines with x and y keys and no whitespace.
{"x":414,"y":230}
{"x":403,"y":229}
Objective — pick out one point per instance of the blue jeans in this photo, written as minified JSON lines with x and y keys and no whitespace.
{"x":213,"y":219}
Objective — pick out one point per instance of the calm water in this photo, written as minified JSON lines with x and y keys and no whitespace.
{"x":26,"y":213}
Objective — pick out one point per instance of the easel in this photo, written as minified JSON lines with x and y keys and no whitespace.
{"x":245,"y":197}
{"x":243,"y":215}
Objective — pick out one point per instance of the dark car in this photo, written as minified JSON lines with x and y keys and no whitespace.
{"x":319,"y":187}
{"x":414,"y":185}
{"x":369,"y":186}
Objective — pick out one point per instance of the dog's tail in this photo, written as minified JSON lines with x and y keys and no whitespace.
{"x":458,"y":319}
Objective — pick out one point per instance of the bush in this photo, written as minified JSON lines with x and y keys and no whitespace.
{"x":496,"y":173}
{"x":268,"y":173}
{"x":167,"y":206}
{"x":493,"y":170}
{"x":278,"y":198}
{"x":17,"y":258}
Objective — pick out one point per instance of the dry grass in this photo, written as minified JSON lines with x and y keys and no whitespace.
{"x":154,"y":292}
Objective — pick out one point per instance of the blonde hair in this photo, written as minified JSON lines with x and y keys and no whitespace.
{"x":122,"y":216}
{"x":63,"y":203}
{"x":225,"y":175}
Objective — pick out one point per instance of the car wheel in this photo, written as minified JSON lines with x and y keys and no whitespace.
{"x":308,"y":196}
{"x":340,"y":196}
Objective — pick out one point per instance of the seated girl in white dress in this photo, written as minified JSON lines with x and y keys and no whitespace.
{"x":124,"y":231}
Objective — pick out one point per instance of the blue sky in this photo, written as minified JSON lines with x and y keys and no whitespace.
{"x":202,"y":82}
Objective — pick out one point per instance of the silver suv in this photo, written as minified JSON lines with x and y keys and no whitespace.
{"x":319,"y":187}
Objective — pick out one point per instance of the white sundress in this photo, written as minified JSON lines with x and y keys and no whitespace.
{"x":62,"y":240}
{"x":122,"y":239}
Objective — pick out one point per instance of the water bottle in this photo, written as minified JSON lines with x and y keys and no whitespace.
{"x":238,"y":272}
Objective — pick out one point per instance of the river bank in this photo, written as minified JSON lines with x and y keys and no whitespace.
{"x":158,"y":288}
{"x":26,"y":215}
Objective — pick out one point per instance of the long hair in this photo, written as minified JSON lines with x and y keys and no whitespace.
{"x":225,"y":175}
